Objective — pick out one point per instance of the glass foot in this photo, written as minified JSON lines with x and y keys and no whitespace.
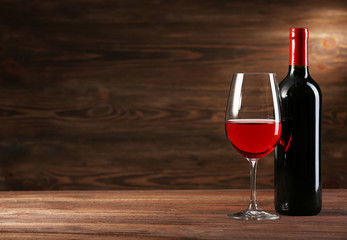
{"x":254,"y":215}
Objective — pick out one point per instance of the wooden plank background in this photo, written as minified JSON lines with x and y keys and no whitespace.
{"x":131,"y":94}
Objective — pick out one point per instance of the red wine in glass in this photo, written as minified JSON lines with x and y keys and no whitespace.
{"x":253,"y":138}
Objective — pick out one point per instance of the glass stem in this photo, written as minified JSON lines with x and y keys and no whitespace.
{"x":253,"y":163}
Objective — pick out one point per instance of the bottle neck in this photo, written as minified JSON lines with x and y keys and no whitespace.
{"x":298,"y":51}
{"x":299,"y":71}
{"x":298,"y":54}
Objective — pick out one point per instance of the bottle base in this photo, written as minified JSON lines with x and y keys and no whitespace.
{"x":300,"y":212}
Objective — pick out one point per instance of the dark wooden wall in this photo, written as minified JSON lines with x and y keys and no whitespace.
{"x":131,"y":94}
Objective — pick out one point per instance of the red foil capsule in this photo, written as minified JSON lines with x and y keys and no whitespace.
{"x":298,"y":50}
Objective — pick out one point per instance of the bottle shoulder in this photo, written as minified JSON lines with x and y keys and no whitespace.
{"x":296,"y":84}
{"x":315,"y":84}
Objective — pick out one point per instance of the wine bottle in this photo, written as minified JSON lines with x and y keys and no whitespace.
{"x":298,"y":190}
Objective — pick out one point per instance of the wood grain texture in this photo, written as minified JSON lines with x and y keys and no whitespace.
{"x":161,"y":214}
{"x":131,"y":94}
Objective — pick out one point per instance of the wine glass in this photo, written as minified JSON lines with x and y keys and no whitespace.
{"x":253,"y":126}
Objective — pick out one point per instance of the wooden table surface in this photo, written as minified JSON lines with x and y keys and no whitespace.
{"x":162,"y":214}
